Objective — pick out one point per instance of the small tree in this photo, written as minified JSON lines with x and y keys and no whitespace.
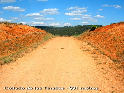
{"x":93,"y":28}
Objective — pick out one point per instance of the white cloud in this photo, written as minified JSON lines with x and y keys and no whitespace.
{"x":72,"y":14}
{"x":23,"y":23}
{"x":99,"y":16}
{"x":42,"y":0}
{"x":34,"y":15}
{"x":67,"y":24}
{"x":1,"y":19}
{"x":92,"y":20}
{"x":44,"y":19}
{"x":7,"y":1}
{"x":100,"y":9}
{"x":12,"y":8}
{"x":37,"y":23}
{"x":86,"y":16}
{"x":89,"y":18}
{"x":50,"y":11}
{"x":14,"y":18}
{"x":74,"y":11}
{"x":4,"y":20}
{"x":54,"y":24}
{"x":85,"y":23}
{"x":75,"y":18}
{"x":115,"y":6}
{"x":76,"y":8}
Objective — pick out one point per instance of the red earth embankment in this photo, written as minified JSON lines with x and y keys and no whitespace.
{"x":14,"y":37}
{"x":108,"y":39}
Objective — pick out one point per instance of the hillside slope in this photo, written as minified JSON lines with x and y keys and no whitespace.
{"x":108,"y":39}
{"x":15,"y":38}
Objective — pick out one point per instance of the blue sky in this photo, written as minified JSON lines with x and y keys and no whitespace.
{"x":62,"y":12}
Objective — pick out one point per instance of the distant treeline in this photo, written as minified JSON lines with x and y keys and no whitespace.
{"x":68,"y":30}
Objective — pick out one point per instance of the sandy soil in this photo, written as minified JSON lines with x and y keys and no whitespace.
{"x":58,"y":66}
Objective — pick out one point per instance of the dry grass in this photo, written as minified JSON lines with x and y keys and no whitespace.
{"x":15,"y":40}
{"x":109,"y":40}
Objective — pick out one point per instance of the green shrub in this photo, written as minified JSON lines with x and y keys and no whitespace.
{"x":6,"y":59}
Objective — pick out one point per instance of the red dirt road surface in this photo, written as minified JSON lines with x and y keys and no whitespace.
{"x":58,"y":66}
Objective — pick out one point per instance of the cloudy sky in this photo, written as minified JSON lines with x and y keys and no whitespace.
{"x":62,"y":12}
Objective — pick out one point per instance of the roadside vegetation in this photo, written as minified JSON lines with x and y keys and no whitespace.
{"x":109,"y":40}
{"x":68,"y":30}
{"x":17,"y":39}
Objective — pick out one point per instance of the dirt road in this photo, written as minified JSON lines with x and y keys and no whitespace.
{"x":59,"y":66}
